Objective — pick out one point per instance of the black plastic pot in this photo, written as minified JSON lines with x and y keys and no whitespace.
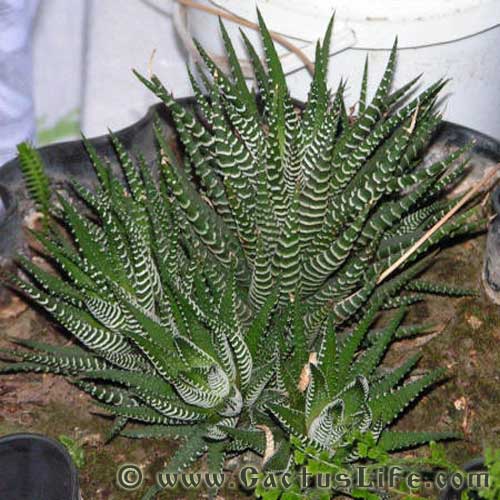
{"x":35,"y":467}
{"x":69,"y":159}
{"x":450,"y":493}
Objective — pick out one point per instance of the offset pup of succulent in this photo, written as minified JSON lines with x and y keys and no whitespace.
{"x":196,"y":297}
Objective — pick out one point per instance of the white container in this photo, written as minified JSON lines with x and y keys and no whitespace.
{"x":83,"y":53}
{"x":122,"y":36}
{"x":457,"y":39}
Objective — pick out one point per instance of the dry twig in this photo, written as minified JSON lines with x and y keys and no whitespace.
{"x":283,"y":41}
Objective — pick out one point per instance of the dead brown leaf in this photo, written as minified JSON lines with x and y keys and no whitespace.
{"x":13,"y":308}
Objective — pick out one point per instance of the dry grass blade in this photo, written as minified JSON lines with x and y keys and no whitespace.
{"x":270,"y":448}
{"x":150,"y":63}
{"x":436,"y":226}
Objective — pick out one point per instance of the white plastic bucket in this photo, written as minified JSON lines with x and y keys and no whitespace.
{"x":458,"y":39}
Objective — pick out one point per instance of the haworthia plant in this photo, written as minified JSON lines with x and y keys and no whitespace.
{"x":195,"y":296}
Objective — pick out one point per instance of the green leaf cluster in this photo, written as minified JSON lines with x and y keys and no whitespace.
{"x":197,"y":288}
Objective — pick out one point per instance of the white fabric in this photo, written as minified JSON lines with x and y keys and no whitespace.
{"x":17,"y":120}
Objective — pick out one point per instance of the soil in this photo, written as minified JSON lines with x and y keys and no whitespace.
{"x":465,"y":341}
{"x":467,"y":344}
